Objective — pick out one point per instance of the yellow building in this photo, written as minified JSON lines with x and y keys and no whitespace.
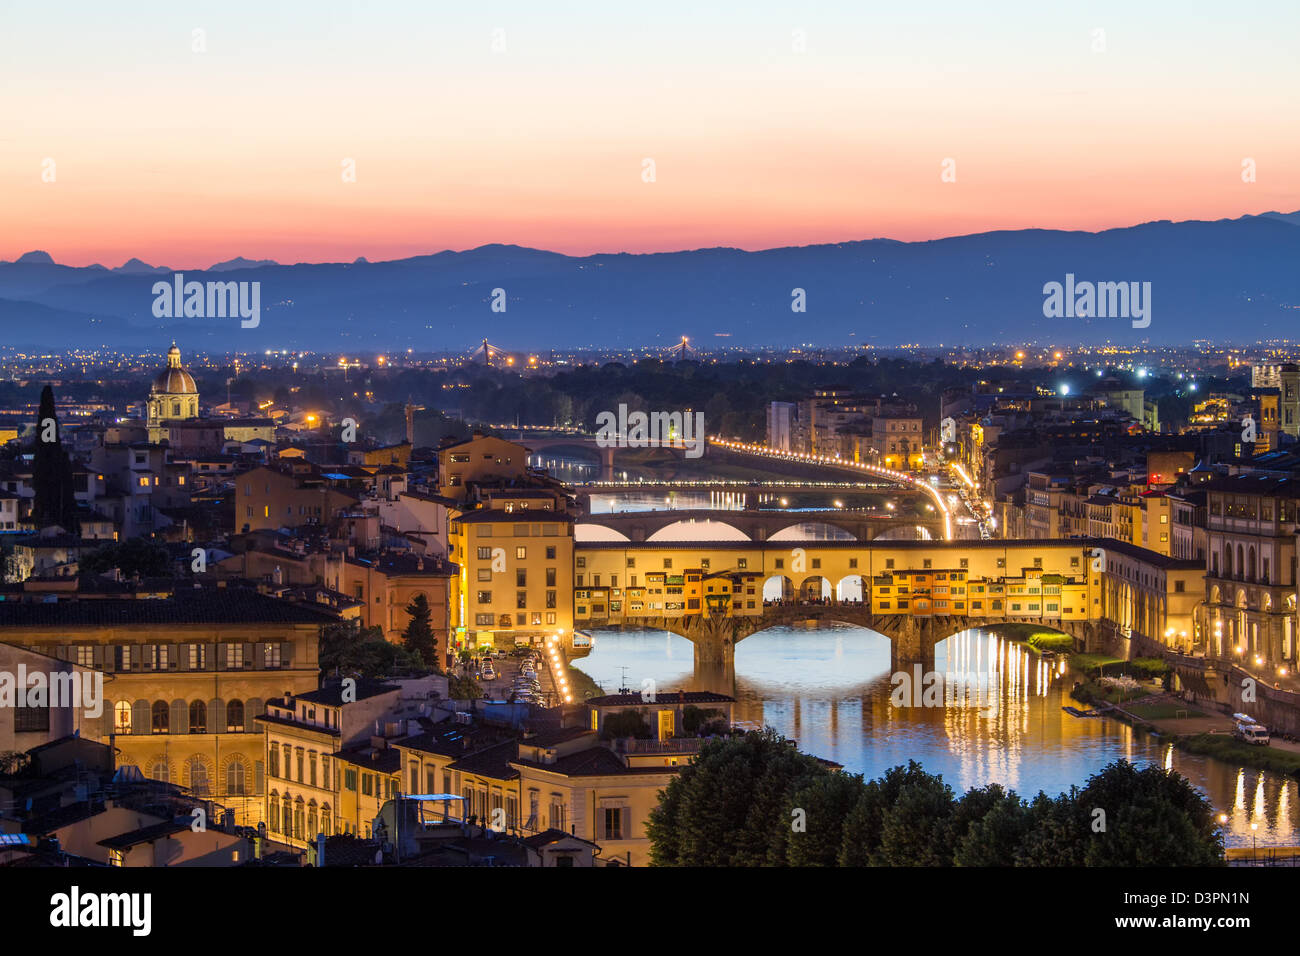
{"x":185,"y":677}
{"x":1044,"y":580}
{"x":328,"y":771}
{"x":561,"y":780}
{"x":516,"y":573}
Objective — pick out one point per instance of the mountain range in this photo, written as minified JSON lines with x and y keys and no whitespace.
{"x":1230,"y":280}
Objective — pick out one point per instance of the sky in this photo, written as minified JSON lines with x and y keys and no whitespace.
{"x":123,"y":132}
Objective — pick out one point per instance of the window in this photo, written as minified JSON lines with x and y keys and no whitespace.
{"x":198,"y":777}
{"x":31,"y":719}
{"x":550,"y":553}
{"x":521,"y":577}
{"x":485,"y":554}
{"x":235,"y":717}
{"x":86,"y":655}
{"x":274,"y":753}
{"x":614,"y":823}
{"x":485,"y":575}
{"x":236,"y":779}
{"x":234,"y":656}
{"x":521,"y":553}
{"x":350,"y":780}
{"x":161,"y":712}
{"x":271,"y":654}
{"x":483,"y":597}
{"x":198,"y":657}
{"x":198,"y":717}
{"x":122,"y":717}
{"x":521,"y":600}
{"x":550,"y":577}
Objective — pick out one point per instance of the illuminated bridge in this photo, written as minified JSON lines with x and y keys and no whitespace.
{"x":916,"y":593}
{"x":762,"y":524}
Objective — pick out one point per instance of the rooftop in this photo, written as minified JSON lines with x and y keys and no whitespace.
{"x":185,"y":606}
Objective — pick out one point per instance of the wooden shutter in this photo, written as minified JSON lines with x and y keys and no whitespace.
{"x":141,"y":717}
{"x":179,"y":719}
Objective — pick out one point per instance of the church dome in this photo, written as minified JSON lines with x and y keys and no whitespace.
{"x":174,"y":380}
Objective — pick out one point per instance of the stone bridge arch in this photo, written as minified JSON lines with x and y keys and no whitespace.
{"x":912,"y":639}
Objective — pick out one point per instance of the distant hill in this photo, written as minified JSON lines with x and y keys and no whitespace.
{"x":239,"y":262}
{"x":1226,"y":280}
{"x":137,"y":267}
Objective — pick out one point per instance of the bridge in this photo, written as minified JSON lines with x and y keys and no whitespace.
{"x":916,"y":593}
{"x":761,"y":524}
{"x":912,"y":639}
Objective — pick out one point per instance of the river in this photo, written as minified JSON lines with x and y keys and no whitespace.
{"x":829,"y":689}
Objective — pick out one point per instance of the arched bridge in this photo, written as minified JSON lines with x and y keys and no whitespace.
{"x":913,"y":639}
{"x":760,"y":525}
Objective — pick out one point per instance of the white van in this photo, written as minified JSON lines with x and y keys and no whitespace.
{"x":1252,"y":734}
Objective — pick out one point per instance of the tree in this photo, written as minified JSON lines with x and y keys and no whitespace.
{"x":1153,"y":817}
{"x":916,"y":829}
{"x":825,"y":801}
{"x":418,"y":637}
{"x":134,"y":557}
{"x":55,"y":502}
{"x":1055,"y":834}
{"x":863,"y":827}
{"x":993,"y":838}
{"x":694,"y":718}
{"x":348,"y":650}
{"x":723,"y":808}
{"x":626,"y":723}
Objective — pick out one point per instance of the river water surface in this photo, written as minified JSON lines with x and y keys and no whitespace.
{"x":829,"y":689}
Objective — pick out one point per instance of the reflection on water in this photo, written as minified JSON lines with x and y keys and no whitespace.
{"x":829,"y":688}
{"x":565,"y":468}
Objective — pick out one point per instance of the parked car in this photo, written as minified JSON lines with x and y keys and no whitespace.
{"x":489,"y":672}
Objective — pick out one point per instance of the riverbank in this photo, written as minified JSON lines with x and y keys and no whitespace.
{"x":583,"y":685}
{"x":1190,"y":730}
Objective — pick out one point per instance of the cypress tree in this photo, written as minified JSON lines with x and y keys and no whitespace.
{"x":418,"y":636}
{"x":55,"y":501}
